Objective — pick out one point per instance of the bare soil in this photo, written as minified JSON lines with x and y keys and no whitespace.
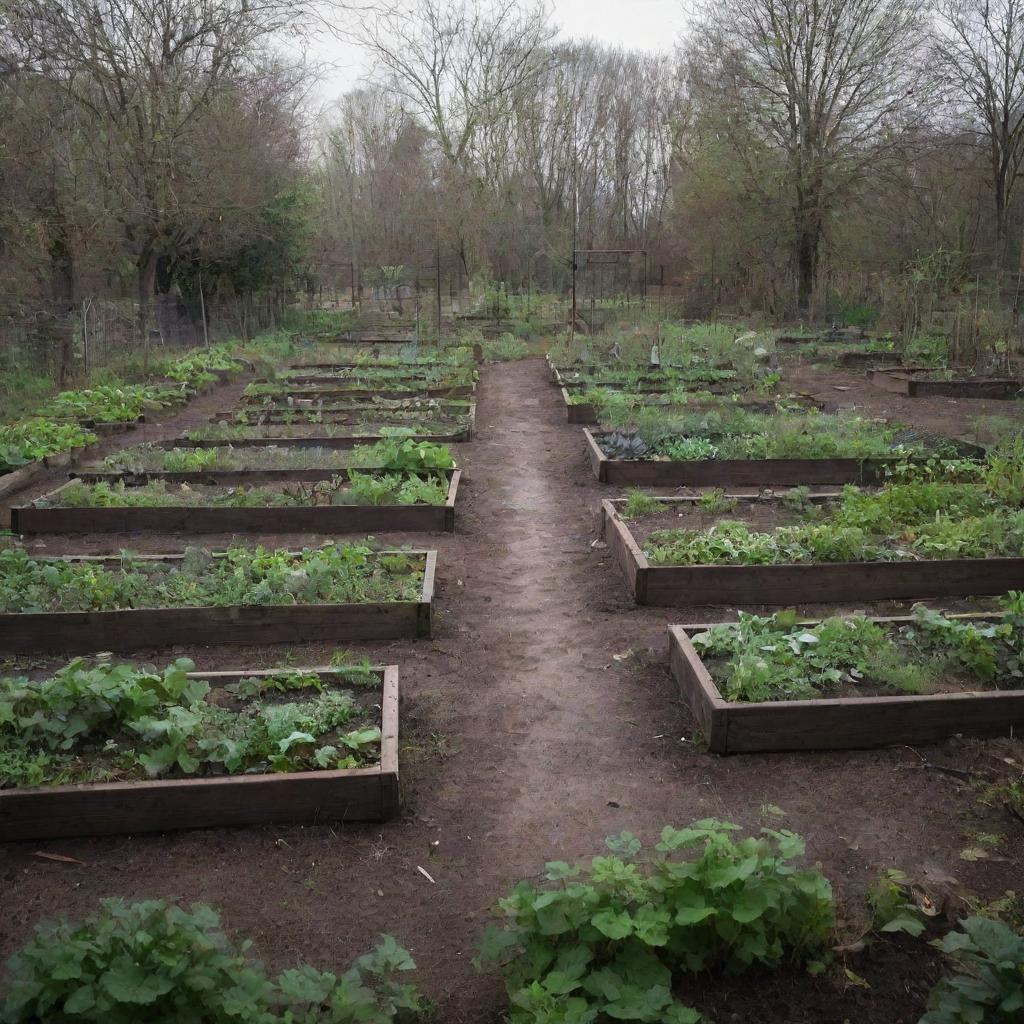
{"x":540,"y":719}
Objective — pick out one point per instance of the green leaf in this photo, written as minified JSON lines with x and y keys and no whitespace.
{"x":625,"y":844}
{"x":904,"y":922}
{"x":130,"y":983}
{"x":614,"y":924}
{"x":81,"y":1000}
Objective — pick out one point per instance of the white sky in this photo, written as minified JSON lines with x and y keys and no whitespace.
{"x":633,"y":24}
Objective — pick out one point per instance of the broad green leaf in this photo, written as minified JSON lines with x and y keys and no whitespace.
{"x":614,"y":924}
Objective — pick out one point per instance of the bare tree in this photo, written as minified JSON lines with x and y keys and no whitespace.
{"x":979,"y":55}
{"x":459,"y":64}
{"x":826,"y":81}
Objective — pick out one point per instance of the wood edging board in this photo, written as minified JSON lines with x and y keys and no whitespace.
{"x":860,"y":358}
{"x":728,"y":472}
{"x":138,"y":628}
{"x":243,"y":477}
{"x":362,"y":405}
{"x":902,"y":382}
{"x":327,"y":519}
{"x":332,"y":443}
{"x":669,"y":586}
{"x":581,"y":412}
{"x":159,"y":805}
{"x":819,"y":339}
{"x":452,"y":391}
{"x":839,"y":723}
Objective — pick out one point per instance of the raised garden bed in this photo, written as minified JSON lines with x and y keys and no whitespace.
{"x":912,"y":383}
{"x":139,"y":628}
{"x":329,"y":441}
{"x":197,"y":517}
{"x":728,"y":472}
{"x":833,"y":723}
{"x":368,"y":793}
{"x":310,"y":393}
{"x":242,"y":477}
{"x":311,"y":415}
{"x":799,"y":582}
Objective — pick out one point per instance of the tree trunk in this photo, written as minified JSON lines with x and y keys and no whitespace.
{"x":146,"y":269}
{"x":62,"y":268}
{"x":807,"y":266}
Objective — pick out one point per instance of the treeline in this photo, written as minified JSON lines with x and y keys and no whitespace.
{"x":840,"y":157}
{"x":149,"y":146}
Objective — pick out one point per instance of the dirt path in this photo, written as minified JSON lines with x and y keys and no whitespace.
{"x":530,"y":732}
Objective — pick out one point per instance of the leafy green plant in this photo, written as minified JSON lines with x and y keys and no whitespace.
{"x":109,"y":403}
{"x":926,"y":350}
{"x":609,"y":942}
{"x":360,"y":489}
{"x":990,"y":989}
{"x":639,"y":504}
{"x":21,"y":443}
{"x":898,"y":522}
{"x":102,"y":721}
{"x":775,"y":658}
{"x":403,"y":454}
{"x":715,"y":502}
{"x":239,"y":576}
{"x":165,"y":964}
{"x":688,"y":449}
{"x":190,"y":460}
{"x":893,"y":908}
{"x":1003,"y":473}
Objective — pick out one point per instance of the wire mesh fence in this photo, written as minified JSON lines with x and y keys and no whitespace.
{"x":45,"y":346}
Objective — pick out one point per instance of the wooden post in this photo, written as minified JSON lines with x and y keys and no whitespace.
{"x":437,"y":281}
{"x":202,"y":310}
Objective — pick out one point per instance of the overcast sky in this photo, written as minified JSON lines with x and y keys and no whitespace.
{"x":634,"y":24}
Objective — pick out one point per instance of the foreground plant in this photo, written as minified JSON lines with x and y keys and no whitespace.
{"x":611,"y":941}
{"x":164,"y":964}
{"x":990,"y":988}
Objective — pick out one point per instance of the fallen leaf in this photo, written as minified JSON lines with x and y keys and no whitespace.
{"x":59,"y":857}
{"x":974,"y":853}
{"x":425,"y":874}
{"x":855,"y":979}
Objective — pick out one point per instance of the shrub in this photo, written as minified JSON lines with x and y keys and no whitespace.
{"x":609,"y":942}
{"x":163,"y":964}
